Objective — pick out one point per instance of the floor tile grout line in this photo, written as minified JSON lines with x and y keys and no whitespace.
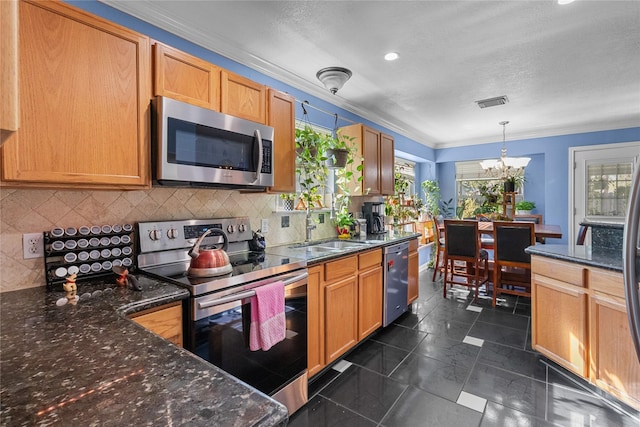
{"x":393,"y":404}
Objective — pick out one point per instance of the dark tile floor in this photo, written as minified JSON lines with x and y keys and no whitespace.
{"x":444,"y":364}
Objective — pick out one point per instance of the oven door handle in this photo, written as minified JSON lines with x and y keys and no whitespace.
{"x":246,"y":294}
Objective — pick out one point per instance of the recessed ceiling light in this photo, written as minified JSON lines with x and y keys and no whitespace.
{"x":565,"y":1}
{"x":391,"y":56}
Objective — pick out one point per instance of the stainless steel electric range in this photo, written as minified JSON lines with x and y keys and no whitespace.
{"x":218,"y":313}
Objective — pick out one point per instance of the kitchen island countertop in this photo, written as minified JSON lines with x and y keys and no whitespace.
{"x":580,"y":254}
{"x":88,"y":364}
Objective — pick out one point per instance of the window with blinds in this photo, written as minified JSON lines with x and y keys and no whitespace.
{"x":608,"y":186}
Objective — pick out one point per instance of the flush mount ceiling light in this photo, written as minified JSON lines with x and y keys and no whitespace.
{"x":565,"y":1}
{"x":333,"y":78}
{"x":492,"y":102}
{"x":505,"y":167}
{"x":391,"y":56}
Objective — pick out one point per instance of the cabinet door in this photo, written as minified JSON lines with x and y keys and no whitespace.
{"x":186,"y":78}
{"x":341,"y":317}
{"x":614,"y":364}
{"x":559,"y":316}
{"x":243,"y":98}
{"x":84,"y":89}
{"x":9,"y":114}
{"x":412,"y":291}
{"x":371,"y":162}
{"x":165,"y":321}
{"x":281,"y":116}
{"x":315,"y":321}
{"x":387,"y":160}
{"x":369,"y":302}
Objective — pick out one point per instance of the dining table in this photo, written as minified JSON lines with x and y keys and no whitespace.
{"x":542,"y":231}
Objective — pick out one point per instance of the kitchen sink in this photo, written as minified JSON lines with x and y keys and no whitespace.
{"x":318,"y":249}
{"x":339,"y":244}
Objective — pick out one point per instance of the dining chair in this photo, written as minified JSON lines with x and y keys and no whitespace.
{"x":439,"y":242}
{"x":511,"y":264}
{"x":582,"y":234}
{"x":465,"y":262}
{"x":535,"y":218}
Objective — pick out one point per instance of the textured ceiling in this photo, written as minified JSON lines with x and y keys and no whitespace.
{"x":565,"y":69}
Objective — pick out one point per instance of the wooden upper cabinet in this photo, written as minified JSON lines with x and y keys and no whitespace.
{"x":377,"y":153}
{"x":387,"y":160}
{"x":243,"y":98}
{"x":9,"y":117}
{"x":186,"y":78}
{"x":281,"y":116}
{"x":84,"y":90}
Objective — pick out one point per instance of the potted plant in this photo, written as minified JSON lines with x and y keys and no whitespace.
{"x":524,"y":207}
{"x":343,"y":221}
{"x":338,"y":150}
{"x":287,"y":200}
{"x":311,"y":163}
{"x":512,"y":183}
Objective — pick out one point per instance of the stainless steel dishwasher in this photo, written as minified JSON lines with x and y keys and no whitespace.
{"x":396,"y":281}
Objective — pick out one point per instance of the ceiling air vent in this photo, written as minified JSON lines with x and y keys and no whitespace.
{"x":492,"y":102}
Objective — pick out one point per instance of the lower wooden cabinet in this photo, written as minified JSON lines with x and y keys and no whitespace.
{"x":614,"y":366}
{"x":414,"y":272}
{"x":370,"y":293}
{"x":559,"y":330}
{"x":165,"y":321}
{"x":315,"y":321}
{"x":344,"y":305}
{"x":341,"y":317}
{"x":579,"y":320}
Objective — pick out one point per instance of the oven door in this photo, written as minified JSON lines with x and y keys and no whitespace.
{"x":197,"y":145}
{"x":222,"y":338}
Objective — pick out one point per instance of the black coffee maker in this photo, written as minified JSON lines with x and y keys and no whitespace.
{"x":373,"y":212}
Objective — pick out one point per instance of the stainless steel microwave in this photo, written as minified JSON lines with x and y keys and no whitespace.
{"x":194,"y":146}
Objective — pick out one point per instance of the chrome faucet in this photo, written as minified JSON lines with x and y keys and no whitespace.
{"x":310,"y":225}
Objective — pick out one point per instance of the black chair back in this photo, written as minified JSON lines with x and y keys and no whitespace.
{"x":461,"y":238}
{"x":512,"y":239}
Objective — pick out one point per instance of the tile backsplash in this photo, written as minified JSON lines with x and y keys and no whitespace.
{"x":31,"y":211}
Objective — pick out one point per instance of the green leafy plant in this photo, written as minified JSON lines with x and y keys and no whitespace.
{"x":311,"y":162}
{"x":431,"y":190}
{"x":288,"y":196}
{"x":525,"y":205}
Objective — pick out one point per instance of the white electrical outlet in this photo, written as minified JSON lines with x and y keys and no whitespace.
{"x":32,"y":245}
{"x":264,"y":225}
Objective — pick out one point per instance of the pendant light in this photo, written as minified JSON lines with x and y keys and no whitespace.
{"x":505,"y":167}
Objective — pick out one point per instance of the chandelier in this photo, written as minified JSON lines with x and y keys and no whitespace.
{"x":505,"y":167}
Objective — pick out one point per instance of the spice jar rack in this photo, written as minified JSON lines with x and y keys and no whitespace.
{"x":88,"y":252}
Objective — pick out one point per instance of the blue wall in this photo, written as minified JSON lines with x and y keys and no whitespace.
{"x":547,"y":174}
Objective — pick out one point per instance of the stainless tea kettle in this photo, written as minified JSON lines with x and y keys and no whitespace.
{"x":209,"y":262}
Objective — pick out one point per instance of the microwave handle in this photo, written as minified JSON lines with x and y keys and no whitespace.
{"x":256,"y":135}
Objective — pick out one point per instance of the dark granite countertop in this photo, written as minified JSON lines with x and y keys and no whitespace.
{"x":609,"y":260}
{"x":302,"y":250}
{"x":87,"y":364}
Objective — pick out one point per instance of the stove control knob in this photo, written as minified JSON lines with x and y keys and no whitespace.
{"x":230,"y":228}
{"x":241,"y":228}
{"x":172,"y":233}
{"x":154,"y":234}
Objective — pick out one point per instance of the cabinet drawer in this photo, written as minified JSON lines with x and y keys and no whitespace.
{"x":165,"y":321}
{"x":608,"y":282}
{"x":563,"y":271}
{"x":370,"y":259}
{"x":342,"y":267}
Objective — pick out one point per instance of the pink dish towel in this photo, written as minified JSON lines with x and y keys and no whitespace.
{"x":267,"y":317}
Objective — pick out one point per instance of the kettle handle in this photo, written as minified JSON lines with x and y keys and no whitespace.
{"x":195,"y":250}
